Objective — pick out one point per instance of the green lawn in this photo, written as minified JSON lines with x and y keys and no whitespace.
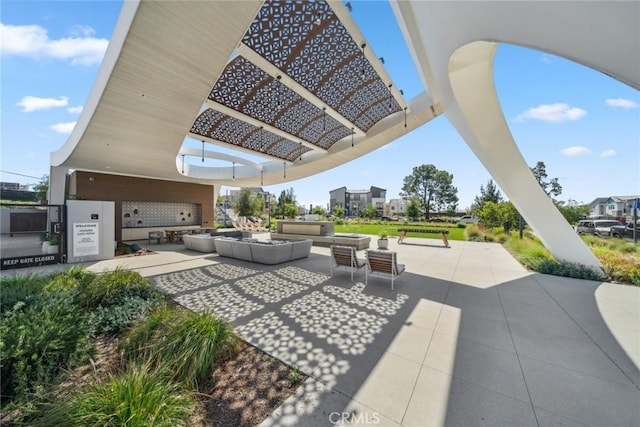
{"x":392,"y":228}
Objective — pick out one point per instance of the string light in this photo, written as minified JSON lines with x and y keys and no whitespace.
{"x":203,"y":150}
{"x":284,"y":168}
{"x":261,"y":177}
{"x":261,"y":138}
{"x":390,"y":97}
{"x":183,"y":164}
{"x":363,"y":45}
{"x":405,"y":116}
{"x":352,"y":133}
{"x":324,"y":118}
{"x":279,"y":77}
{"x":301,"y":151}
{"x":234,"y":171}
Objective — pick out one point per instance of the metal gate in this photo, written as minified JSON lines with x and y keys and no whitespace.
{"x":32,"y":235}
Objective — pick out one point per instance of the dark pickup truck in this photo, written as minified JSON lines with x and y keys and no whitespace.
{"x":624,"y":230}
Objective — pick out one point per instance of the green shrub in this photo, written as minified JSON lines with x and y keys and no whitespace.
{"x":565,"y":269}
{"x":184,"y":343}
{"x":125,"y":306}
{"x":473,"y":233}
{"x":73,"y":277}
{"x":39,"y":340}
{"x":106,"y":286}
{"x":527,"y":249}
{"x":620,"y":266}
{"x":116,"y":317}
{"x":138,"y":398}
{"x":294,"y":377}
{"x":23,"y":288}
{"x":461,"y":225}
{"x":617,"y":245}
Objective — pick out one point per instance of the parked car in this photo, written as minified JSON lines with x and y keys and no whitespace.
{"x":597,"y":227}
{"x":624,"y":230}
{"x":468,"y":219}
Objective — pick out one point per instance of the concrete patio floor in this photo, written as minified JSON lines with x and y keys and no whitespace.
{"x":467,"y":338}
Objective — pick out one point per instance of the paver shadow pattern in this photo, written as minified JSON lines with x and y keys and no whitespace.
{"x":468,"y":337}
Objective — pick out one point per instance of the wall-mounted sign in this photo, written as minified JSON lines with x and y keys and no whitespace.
{"x":29,"y":261}
{"x":86,"y":239}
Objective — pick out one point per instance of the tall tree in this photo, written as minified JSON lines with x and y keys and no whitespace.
{"x":286,"y":197}
{"x":572,"y":211}
{"x":338,"y":211}
{"x":318,"y":210}
{"x":42,"y":188}
{"x":290,"y":210}
{"x":433,"y":187}
{"x":368,"y":212}
{"x":245,"y":206}
{"x":496,"y":214}
{"x":488,"y":194}
{"x":552,"y":187}
{"x":413,"y":208}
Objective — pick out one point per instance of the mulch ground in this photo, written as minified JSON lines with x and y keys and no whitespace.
{"x":242,"y":391}
{"x":245,"y":390}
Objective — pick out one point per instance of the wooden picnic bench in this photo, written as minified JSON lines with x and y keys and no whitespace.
{"x":402,"y":233}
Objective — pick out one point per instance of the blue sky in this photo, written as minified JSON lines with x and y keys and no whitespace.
{"x":582,"y":124}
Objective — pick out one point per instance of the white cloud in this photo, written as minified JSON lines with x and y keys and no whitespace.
{"x":75,"y":110}
{"x":553,"y":113}
{"x":608,"y":153}
{"x":34,"y":42}
{"x":622,"y":103}
{"x":545,"y":58}
{"x":576,"y":151}
{"x":32,"y":103}
{"x":63,"y":127}
{"x":82,"y":31}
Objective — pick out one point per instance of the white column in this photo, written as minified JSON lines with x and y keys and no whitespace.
{"x":57,"y":181}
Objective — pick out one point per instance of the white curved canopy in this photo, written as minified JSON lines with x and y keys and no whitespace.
{"x":223,"y":83}
{"x":298,"y":102}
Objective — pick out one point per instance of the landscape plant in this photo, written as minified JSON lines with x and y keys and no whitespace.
{"x":45,"y":334}
{"x":39,"y":340}
{"x":185,"y":343}
{"x":23,"y":288}
{"x":106,"y":286}
{"x":126,"y":306}
{"x":620,"y":259}
{"x":74,"y":277}
{"x":136,"y":398}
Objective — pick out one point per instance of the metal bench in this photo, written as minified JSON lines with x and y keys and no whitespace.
{"x":383,"y":263}
{"x":402,"y":233}
{"x":345,"y":257}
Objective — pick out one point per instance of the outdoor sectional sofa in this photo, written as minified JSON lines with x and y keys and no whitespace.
{"x":206,"y":242}
{"x":263,"y":252}
{"x":199,"y":242}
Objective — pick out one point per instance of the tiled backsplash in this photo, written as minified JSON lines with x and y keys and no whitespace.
{"x":158,"y":214}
